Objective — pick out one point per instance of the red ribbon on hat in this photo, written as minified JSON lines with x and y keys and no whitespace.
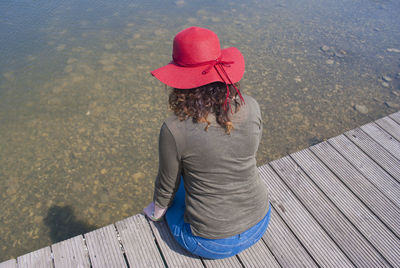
{"x":213,"y":64}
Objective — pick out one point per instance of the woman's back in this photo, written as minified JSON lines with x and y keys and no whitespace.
{"x":225,"y":195}
{"x":208,"y":186}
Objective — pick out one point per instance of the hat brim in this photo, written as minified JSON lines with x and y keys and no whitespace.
{"x":191,"y":77}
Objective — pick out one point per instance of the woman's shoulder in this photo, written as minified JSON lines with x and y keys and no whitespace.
{"x":174,"y":124}
{"x":250,"y":100}
{"x":172,"y":119}
{"x":251,"y":104}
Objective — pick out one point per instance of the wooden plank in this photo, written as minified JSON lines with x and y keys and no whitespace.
{"x":71,"y":253}
{"x":369,"y":168}
{"x":346,"y":236}
{"x":104,"y":248}
{"x":173,"y":253}
{"x":390,"y":126}
{"x":363,"y":219}
{"x":360,"y":186}
{"x":220,"y":263}
{"x":320,"y":246}
{"x":9,"y":264}
{"x":387,"y":161}
{"x":284,"y":245}
{"x":38,"y":258}
{"x":395,"y":116}
{"x":258,"y":256}
{"x":139,"y":243}
{"x":383,"y":138}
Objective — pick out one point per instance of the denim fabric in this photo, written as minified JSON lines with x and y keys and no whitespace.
{"x":210,"y":248}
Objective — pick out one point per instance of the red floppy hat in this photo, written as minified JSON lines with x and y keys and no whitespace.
{"x":197,"y":60}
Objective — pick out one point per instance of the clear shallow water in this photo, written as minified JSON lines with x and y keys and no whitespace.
{"x":80,"y":114}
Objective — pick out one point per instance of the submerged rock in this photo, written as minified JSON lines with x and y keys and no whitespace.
{"x":385,"y":84}
{"x":361,"y":108}
{"x":108,"y":46}
{"x":8,"y":76}
{"x":395,"y":50}
{"x":341,"y":53}
{"x":138,"y":176}
{"x":396,"y":93}
{"x":325,"y":48}
{"x":391,"y":104}
{"x":331,"y":51}
{"x":386,"y":78}
{"x":60,"y":47}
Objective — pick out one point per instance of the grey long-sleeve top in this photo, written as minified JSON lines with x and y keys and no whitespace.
{"x":224,"y":193}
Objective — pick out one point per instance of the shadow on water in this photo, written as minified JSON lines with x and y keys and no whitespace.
{"x":314,"y":140}
{"x":64,"y":225}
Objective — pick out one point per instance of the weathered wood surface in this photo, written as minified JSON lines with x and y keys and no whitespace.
{"x":223,"y":263}
{"x":258,"y":256}
{"x":321,"y":247}
{"x":350,"y":205}
{"x":71,"y":253}
{"x":9,"y":264}
{"x":363,"y":188}
{"x":174,"y":255}
{"x":38,"y":258}
{"x":390,"y":126}
{"x":369,"y":168}
{"x":285,"y":246}
{"x":376,"y":152}
{"x":139,"y":242}
{"x":104,"y":248}
{"x":395,"y":117}
{"x":335,"y":204}
{"x":345,"y":235}
{"x":383,"y":138}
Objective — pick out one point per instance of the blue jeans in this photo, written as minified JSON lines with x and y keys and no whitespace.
{"x":210,"y":248}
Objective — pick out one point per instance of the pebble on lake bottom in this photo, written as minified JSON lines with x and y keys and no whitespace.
{"x":9,"y":76}
{"x":393,"y":105}
{"x":386,"y":78}
{"x":138,"y":176}
{"x":361,"y":108}
{"x":396,"y":93}
{"x":385,"y":84}
{"x":60,"y":47}
{"x":325,"y":48}
{"x":395,"y":50}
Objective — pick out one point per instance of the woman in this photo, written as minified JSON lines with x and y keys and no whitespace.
{"x":208,"y":184}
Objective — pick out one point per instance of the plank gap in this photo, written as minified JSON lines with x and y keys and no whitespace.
{"x":122,"y":246}
{"x":157,"y":244}
{"x":327,"y":233}
{"x":87,"y":250}
{"x":355,"y":194}
{"x":333,"y":143}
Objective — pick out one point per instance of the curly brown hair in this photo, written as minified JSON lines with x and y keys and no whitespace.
{"x":198,"y":102}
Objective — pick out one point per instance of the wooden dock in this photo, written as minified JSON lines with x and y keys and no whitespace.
{"x":335,"y":204}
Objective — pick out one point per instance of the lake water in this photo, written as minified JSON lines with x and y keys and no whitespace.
{"x":80,"y":113}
